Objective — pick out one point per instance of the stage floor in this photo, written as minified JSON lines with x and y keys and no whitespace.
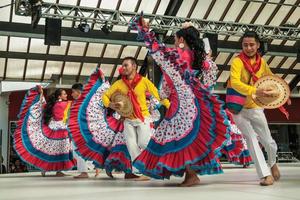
{"x":235,"y":184}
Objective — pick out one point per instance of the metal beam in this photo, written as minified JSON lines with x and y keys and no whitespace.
{"x":56,"y":57}
{"x":161,"y":22}
{"x":121,"y":38}
{"x":87,"y":59}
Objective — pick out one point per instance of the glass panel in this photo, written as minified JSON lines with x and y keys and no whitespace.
{"x":297,"y":66}
{"x":88,"y":69}
{"x":221,"y":58}
{"x":5,"y":12}
{"x":288,"y":62}
{"x":280,"y":15}
{"x":276,"y":42}
{"x":201,"y":9}
{"x":217,"y":10}
{"x":76,"y":48}
{"x":53,"y":68}
{"x":234,"y":38}
{"x":37,"y":46}
{"x":89,"y":3}
{"x":15,"y":68}
{"x":185,"y":8}
{"x":112,"y":51}
{"x":106,"y":69}
{"x":224,"y":76}
{"x":251,"y":11}
{"x":289,"y":77}
{"x":147,"y":6}
{"x":109,"y":4}
{"x":34,"y":69}
{"x":59,"y":49}
{"x":162,"y":7}
{"x":129,"y":51}
{"x":265,"y":14}
{"x":290,"y":43}
{"x":128,"y":5}
{"x":18,"y":44}
{"x":276,"y":61}
{"x":2,"y":65}
{"x":94,"y":49}
{"x":142,"y":53}
{"x":68,"y":2}
{"x":3,"y":42}
{"x":295,"y":16}
{"x":234,"y":10}
{"x":71,"y":68}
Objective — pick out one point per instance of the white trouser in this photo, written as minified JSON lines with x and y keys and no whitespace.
{"x":81,"y":163}
{"x":254,"y":126}
{"x":137,"y":134}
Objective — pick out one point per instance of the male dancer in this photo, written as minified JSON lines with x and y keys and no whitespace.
{"x":245,"y":69}
{"x":137,"y":128}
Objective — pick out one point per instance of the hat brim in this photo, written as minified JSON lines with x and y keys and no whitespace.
{"x":126,"y":110}
{"x":278,"y":85}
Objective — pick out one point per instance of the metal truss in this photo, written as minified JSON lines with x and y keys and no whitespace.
{"x":158,"y":22}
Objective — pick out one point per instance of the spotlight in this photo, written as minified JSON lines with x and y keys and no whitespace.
{"x":84,"y":27}
{"x":106,"y":29}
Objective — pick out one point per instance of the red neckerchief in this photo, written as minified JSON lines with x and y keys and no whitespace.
{"x":132,"y":96}
{"x":252,"y":69}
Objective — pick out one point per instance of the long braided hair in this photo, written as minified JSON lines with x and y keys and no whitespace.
{"x":192,"y":38}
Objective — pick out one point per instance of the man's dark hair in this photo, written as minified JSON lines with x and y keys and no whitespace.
{"x":132,"y":59}
{"x":77,"y":86}
{"x":251,"y":34}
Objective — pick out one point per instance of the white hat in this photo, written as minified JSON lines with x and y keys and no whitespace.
{"x":281,"y":92}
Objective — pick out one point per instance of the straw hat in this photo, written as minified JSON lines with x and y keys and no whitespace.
{"x":280,"y":92}
{"x":126,"y":109}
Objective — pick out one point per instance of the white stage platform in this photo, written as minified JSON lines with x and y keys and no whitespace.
{"x":235,"y":184}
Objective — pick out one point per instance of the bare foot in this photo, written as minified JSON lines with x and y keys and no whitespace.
{"x":97,"y":172}
{"x":266,"y":181}
{"x":82,"y":175}
{"x":190,"y":181}
{"x":275,"y":172}
{"x":59,"y":174}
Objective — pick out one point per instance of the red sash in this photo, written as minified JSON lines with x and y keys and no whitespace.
{"x":132,"y":96}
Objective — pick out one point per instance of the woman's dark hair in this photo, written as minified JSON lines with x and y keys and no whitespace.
{"x":192,"y":38}
{"x":51,"y":102}
{"x":251,"y":34}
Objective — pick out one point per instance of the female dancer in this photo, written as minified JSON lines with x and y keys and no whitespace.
{"x":41,"y":138}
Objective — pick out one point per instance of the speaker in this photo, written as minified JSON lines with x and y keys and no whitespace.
{"x":53,"y":32}
{"x":213,"y":41}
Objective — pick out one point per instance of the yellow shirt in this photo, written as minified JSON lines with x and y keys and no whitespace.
{"x":140,"y":91}
{"x":239,"y":79}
